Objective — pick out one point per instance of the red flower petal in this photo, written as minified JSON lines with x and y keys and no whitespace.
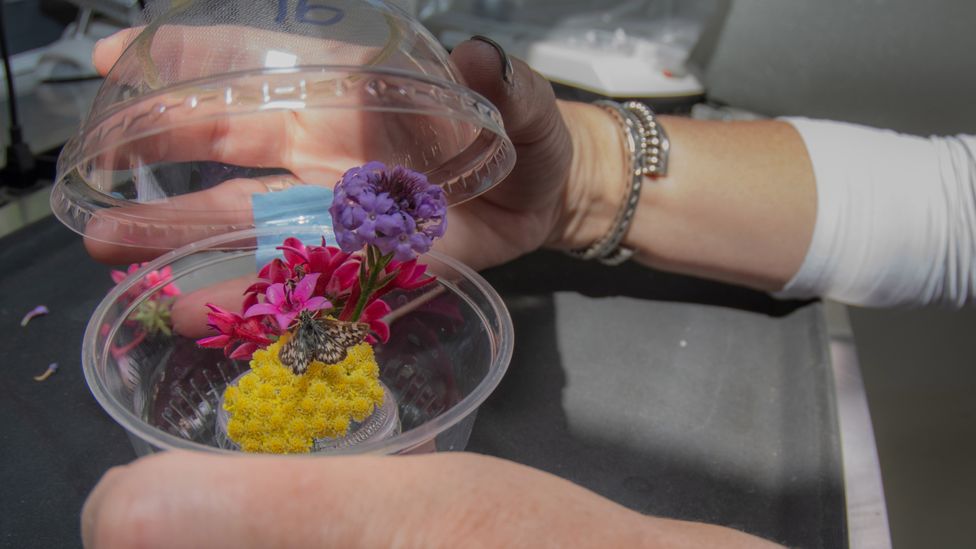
{"x":249,"y":301}
{"x":381,"y":329}
{"x":258,"y":287}
{"x":223,"y":321}
{"x":244,"y":352}
{"x":275,"y":271}
{"x":294,"y":256}
{"x":214,"y":341}
{"x":346,"y":274}
{"x":377,"y":309}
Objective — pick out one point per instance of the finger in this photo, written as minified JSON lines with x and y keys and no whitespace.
{"x":315,"y":144}
{"x":203,"y":129}
{"x":532,"y":120}
{"x":190,"y":310}
{"x":181,"y":52}
{"x":526,"y":103}
{"x":179,"y":499}
{"x":140,"y":232}
{"x":92,"y":511}
{"x":263,"y":501}
{"x":172,"y":499}
{"x":207,"y":133}
{"x":107,"y":50}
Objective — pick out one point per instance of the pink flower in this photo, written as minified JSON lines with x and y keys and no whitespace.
{"x":275,"y":272}
{"x":338,"y":269}
{"x":118,"y":276}
{"x":151,"y":279}
{"x":162,"y":275}
{"x":239,"y":336}
{"x":120,"y":351}
{"x":284,"y":304}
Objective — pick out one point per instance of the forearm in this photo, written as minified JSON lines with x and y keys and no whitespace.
{"x":738,"y":204}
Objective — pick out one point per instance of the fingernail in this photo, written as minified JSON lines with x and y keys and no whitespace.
{"x":507,"y":70}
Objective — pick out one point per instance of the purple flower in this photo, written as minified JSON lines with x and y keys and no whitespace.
{"x":399,"y":211}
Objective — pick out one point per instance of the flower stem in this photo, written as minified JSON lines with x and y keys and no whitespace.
{"x":124,"y":350}
{"x":375,"y":264}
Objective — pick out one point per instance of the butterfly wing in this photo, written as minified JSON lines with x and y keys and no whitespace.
{"x":299,"y":351}
{"x":339,"y":336}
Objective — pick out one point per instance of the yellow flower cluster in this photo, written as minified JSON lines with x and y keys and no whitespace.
{"x":273,"y":410}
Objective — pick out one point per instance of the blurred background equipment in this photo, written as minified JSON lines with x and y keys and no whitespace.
{"x":70,"y":57}
{"x":52,"y":40}
{"x":48,"y":44}
{"x":634,"y":49}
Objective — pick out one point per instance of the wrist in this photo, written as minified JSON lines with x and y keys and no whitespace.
{"x":597,"y":180}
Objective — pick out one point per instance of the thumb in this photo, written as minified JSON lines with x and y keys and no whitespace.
{"x":523,"y":97}
{"x":532,"y":120}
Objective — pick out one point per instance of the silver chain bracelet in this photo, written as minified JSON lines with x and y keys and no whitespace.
{"x":647,"y":147}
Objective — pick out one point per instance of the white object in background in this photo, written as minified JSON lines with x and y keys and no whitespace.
{"x":607,"y":61}
{"x":22,"y":64}
{"x":120,"y":11}
{"x":70,"y":57}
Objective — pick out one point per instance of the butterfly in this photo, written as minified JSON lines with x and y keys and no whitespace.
{"x":326,"y":340}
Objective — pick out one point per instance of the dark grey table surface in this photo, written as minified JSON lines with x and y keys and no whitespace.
{"x":670,"y":395}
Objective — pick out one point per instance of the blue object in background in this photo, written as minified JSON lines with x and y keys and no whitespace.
{"x":298,"y":206}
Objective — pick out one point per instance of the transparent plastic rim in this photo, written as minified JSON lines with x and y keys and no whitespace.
{"x":502,"y":345}
{"x":491,"y":156}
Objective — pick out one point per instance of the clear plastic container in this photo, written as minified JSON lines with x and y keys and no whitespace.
{"x":213,"y":105}
{"x":217,"y":100}
{"x":450,"y":345}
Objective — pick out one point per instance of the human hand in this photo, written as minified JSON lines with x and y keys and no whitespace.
{"x":179,"y":499}
{"x":541,"y":203}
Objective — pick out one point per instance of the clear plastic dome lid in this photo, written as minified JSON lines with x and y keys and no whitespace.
{"x":215,"y":101}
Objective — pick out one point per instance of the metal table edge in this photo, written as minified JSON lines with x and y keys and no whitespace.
{"x":867,"y":513}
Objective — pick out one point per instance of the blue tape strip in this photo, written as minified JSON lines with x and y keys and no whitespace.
{"x":295,"y":206}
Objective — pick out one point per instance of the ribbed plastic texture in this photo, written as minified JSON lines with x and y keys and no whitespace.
{"x":216,"y":100}
{"x":450,"y":344}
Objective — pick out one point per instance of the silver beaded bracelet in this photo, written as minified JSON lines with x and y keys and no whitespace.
{"x":648,"y":148}
{"x":654,"y":143}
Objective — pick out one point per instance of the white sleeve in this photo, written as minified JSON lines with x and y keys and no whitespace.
{"x":896,"y":217}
